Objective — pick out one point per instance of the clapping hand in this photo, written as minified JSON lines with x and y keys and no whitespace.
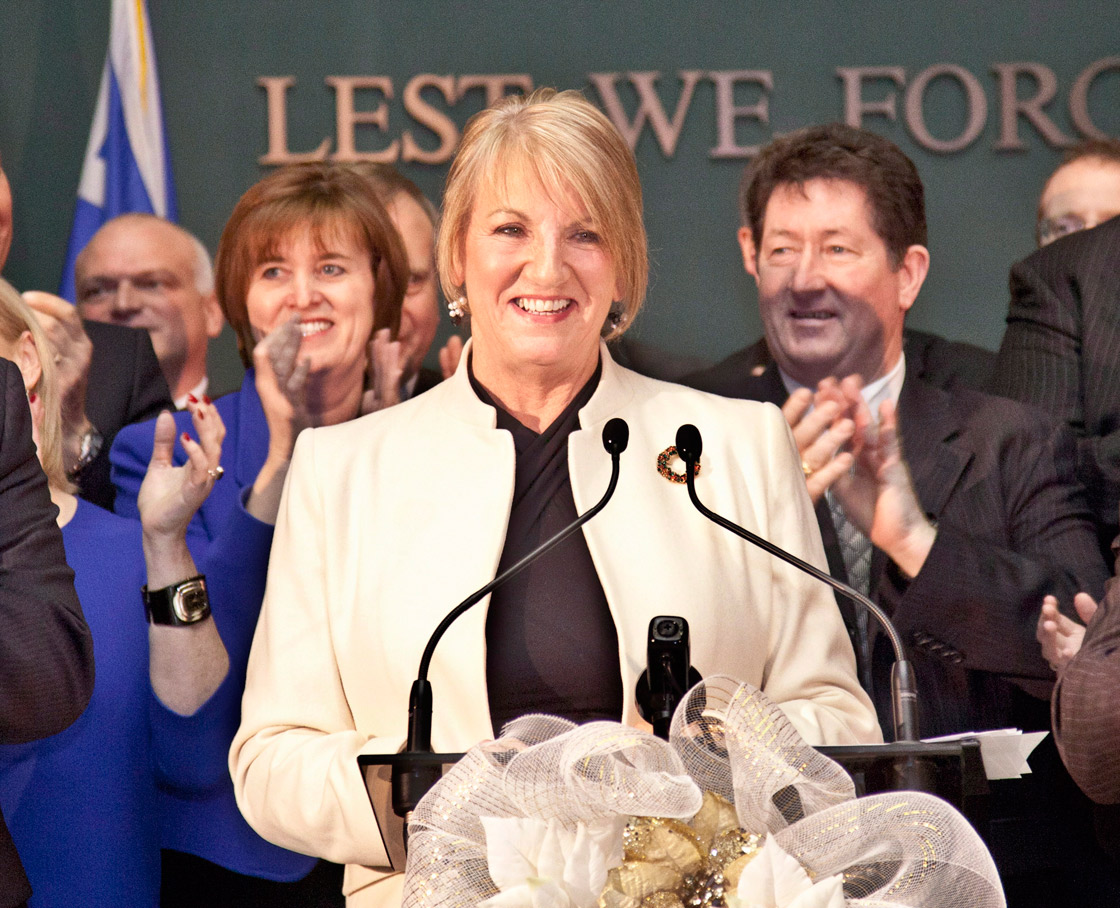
{"x":1060,"y":636}
{"x":281,"y":381}
{"x":823,"y":426}
{"x":384,"y":372}
{"x":72,"y":352}
{"x":170,"y":495}
{"x":449,"y":355}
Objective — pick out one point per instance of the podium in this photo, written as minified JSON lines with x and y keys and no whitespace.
{"x":953,"y":771}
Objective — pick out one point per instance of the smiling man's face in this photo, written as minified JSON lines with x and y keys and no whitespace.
{"x":831,"y":299}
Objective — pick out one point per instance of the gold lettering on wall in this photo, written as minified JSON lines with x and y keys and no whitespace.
{"x":1011,"y":106}
{"x":1023,"y":91}
{"x":650,"y":110}
{"x":276,"y":90}
{"x":347,"y":118}
{"x":727,"y":112}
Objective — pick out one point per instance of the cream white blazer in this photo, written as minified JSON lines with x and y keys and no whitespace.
{"x":391,"y":520}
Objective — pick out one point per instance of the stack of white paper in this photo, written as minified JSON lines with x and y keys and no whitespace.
{"x":1003,"y":751}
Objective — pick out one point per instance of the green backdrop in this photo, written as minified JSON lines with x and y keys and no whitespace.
{"x":955,"y":70}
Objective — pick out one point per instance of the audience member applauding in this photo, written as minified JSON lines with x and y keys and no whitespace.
{"x":390,"y":521}
{"x":309,"y":268}
{"x":956,"y":510}
{"x":1085,"y":714}
{"x":82,"y":804}
{"x":46,"y":652}
{"x":416,"y":220}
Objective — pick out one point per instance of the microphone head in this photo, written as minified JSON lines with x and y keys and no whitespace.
{"x":689,"y":443}
{"x":616,"y":435}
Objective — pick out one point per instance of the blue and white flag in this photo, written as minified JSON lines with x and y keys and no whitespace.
{"x":126,"y":167}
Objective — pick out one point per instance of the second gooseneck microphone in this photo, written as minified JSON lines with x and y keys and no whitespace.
{"x":904,"y":695}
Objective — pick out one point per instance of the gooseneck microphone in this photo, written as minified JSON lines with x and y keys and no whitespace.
{"x":904,"y":695}
{"x":411,"y":783}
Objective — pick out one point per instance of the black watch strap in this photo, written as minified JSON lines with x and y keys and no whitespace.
{"x":182,"y":603}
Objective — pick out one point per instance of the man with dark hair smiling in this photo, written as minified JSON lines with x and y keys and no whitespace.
{"x":955,"y":510}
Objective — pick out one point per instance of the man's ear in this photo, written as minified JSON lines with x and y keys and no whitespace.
{"x":912,"y":273}
{"x":213,"y":314}
{"x":750,"y":252}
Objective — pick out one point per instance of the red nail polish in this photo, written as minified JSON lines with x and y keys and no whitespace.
{"x":192,"y":398}
{"x":186,"y":437}
{"x":206,"y":400}
{"x":32,"y":397}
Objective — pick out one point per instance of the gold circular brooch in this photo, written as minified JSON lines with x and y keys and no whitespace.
{"x":664,"y":465}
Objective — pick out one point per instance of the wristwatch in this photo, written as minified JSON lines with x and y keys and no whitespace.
{"x":89,"y":448}
{"x":185,"y":602}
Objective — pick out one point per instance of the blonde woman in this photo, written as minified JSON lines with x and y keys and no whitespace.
{"x":81,"y":805}
{"x":389,"y":521}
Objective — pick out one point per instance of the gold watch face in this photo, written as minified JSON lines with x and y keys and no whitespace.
{"x":190,"y":601}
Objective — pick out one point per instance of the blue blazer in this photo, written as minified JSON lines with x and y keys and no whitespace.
{"x":231,"y":548}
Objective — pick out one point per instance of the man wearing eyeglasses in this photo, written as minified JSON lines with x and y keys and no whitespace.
{"x":1083,"y":192}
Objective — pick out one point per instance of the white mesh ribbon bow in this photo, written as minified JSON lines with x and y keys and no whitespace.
{"x":735,"y":810}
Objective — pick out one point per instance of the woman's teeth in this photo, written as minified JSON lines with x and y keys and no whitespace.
{"x":531,"y":304}
{"x":306,"y":329}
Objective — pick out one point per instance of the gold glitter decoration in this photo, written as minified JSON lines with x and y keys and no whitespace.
{"x":658,"y":840}
{"x":639,"y":878}
{"x":662,"y":899}
{"x":735,"y":843}
{"x":672,"y":864}
{"x":716,"y":815}
{"x":612,"y":898}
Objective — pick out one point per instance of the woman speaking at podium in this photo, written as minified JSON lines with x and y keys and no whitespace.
{"x":389,"y":521}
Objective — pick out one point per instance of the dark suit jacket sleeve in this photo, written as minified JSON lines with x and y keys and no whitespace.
{"x":46,"y":653}
{"x":125,"y":386}
{"x":1061,"y":350}
{"x":1016,"y":528}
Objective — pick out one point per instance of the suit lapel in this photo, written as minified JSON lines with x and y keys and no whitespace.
{"x":929,"y":424}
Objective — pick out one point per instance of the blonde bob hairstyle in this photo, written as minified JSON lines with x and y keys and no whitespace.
{"x":326,"y":200}
{"x":16,"y":318}
{"x":569,"y":145}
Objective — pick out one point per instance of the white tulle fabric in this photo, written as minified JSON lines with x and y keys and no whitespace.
{"x":571,"y":788}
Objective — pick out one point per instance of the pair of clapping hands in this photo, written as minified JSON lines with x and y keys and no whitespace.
{"x":843,"y":449}
{"x":282,"y":374}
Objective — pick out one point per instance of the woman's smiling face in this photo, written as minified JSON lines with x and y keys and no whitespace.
{"x":327,"y":281}
{"x":539,"y":279}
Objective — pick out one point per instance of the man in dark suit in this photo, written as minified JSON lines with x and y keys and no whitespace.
{"x":968,"y":500}
{"x":46,"y":653}
{"x":955,"y":510}
{"x":1061,"y":352}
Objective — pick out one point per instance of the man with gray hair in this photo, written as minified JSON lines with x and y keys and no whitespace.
{"x":145,"y":272}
